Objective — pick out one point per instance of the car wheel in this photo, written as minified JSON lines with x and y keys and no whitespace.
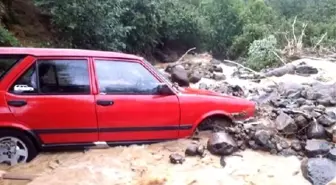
{"x":16,"y":147}
{"x":215,"y":124}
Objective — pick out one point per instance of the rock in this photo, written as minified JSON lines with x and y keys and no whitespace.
{"x":316,"y":131}
{"x":221,"y":143}
{"x":180,"y":76}
{"x":288,"y":152}
{"x":305,"y":70}
{"x":287,"y":69}
{"x":203,"y":86}
{"x":219,"y":76}
{"x":301,"y":121}
{"x":176,"y":159}
{"x":285,"y":124}
{"x":191,"y":150}
{"x":201,"y":150}
{"x":263,"y":139}
{"x":218,"y":69}
{"x":195,"y":77}
{"x":326,"y":121}
{"x":318,"y":171}
{"x":332,"y":154}
{"x":296,"y":145}
{"x":316,"y":147}
{"x":222,"y":161}
{"x":253,"y":145}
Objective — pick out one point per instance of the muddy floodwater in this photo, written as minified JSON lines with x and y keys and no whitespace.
{"x":149,"y":165}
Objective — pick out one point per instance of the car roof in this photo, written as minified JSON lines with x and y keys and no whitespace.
{"x":59,"y":52}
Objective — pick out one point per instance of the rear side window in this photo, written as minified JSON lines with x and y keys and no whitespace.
{"x":54,"y":77}
{"x":7,"y":62}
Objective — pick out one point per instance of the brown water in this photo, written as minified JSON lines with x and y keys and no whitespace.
{"x":149,"y":165}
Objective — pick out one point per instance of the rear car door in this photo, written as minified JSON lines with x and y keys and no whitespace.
{"x":53,"y":97}
{"x":128,"y":106}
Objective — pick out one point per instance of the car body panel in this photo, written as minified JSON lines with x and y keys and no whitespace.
{"x":77,"y":119}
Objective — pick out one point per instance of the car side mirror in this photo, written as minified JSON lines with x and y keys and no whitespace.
{"x":163,"y":89}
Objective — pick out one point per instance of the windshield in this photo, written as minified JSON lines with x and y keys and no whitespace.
{"x":159,"y":73}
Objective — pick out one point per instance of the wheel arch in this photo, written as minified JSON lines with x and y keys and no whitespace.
{"x":212,"y":114}
{"x":32,"y":136}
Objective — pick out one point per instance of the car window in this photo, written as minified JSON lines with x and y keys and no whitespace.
{"x":63,"y":76}
{"x":55,"y":77}
{"x":7,"y":62}
{"x":121,"y":77}
{"x":26,"y":84}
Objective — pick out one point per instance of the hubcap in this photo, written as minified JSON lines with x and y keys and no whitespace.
{"x":12,"y":151}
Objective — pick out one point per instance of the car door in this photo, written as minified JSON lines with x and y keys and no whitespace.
{"x":128,"y":106}
{"x":53,"y":97}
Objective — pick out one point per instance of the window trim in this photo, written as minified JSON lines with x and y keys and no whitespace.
{"x":35,"y":62}
{"x":94,"y":59}
{"x":21,"y":58}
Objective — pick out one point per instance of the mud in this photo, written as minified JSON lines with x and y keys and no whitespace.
{"x":149,"y":165}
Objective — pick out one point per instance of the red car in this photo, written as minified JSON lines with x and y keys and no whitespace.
{"x":61,"y":98}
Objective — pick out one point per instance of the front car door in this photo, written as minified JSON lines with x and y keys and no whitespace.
{"x":129,"y":109}
{"x":53,"y":97}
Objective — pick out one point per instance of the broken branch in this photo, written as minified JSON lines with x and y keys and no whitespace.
{"x":179,"y":60}
{"x":318,"y":43}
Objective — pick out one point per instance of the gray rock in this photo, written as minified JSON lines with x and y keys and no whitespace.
{"x":287,"y":69}
{"x":195,"y":77}
{"x":305,"y":70}
{"x":217,"y":69}
{"x":180,"y":76}
{"x":191,"y":150}
{"x":288,"y":152}
{"x":296,"y":145}
{"x":316,"y":131}
{"x":176,"y":158}
{"x":219,"y":76}
{"x":203,"y":86}
{"x":301,"y":120}
{"x":316,"y":147}
{"x":263,"y":139}
{"x":326,"y":121}
{"x":285,"y":124}
{"x":318,"y":171}
{"x":332,"y":154}
{"x":221,"y":143}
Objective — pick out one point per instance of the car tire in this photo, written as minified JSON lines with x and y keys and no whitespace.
{"x":16,"y":147}
{"x":214,"y":123}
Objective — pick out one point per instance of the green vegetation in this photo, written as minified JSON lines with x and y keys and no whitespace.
{"x":254,"y":29}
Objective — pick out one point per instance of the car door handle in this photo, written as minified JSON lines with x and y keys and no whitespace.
{"x":105,"y":102}
{"x":17,"y":103}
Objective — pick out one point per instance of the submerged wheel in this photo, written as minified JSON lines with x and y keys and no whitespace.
{"x":215,"y":123}
{"x":16,"y":147}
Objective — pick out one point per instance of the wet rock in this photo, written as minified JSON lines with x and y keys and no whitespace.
{"x":287,"y":69}
{"x":288,"y":152}
{"x":296,"y":145}
{"x":221,"y":143}
{"x":263,"y":139}
{"x":219,"y":76}
{"x":176,"y":158}
{"x":318,"y":171}
{"x":316,"y":147}
{"x":191,"y":150}
{"x":195,"y":77}
{"x":332,"y":154}
{"x":305,"y":70}
{"x":301,"y":120}
{"x":326,"y":121}
{"x":285,"y":124}
{"x":179,"y":75}
{"x":218,"y":69}
{"x":316,"y":131}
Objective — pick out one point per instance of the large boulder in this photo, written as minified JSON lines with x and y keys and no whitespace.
{"x":221,"y":143}
{"x":287,"y":69}
{"x":179,"y":75}
{"x":305,"y":70}
{"x":318,"y":171}
{"x":326,"y":121}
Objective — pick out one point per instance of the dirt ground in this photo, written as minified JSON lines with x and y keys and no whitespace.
{"x":149,"y":165}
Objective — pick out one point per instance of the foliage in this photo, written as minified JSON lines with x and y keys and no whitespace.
{"x":261,"y":53}
{"x":6,"y":38}
{"x":224,"y":27}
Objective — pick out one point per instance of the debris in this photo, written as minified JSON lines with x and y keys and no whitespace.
{"x":286,"y":124}
{"x":316,"y":147}
{"x":176,"y":158}
{"x":318,"y":171}
{"x":221,"y":143}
